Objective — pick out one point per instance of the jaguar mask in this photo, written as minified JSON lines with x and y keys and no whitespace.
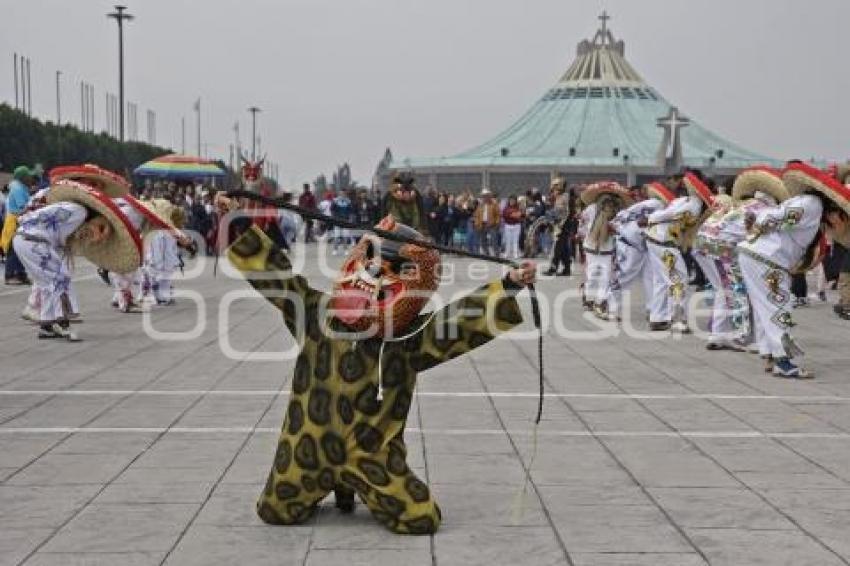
{"x":383,"y":285}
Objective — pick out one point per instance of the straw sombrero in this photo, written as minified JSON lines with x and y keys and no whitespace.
{"x":156,"y":215}
{"x":122,"y":251}
{"x":661,"y":192}
{"x":105,"y":181}
{"x":760,"y":178}
{"x":593,"y":192}
{"x":800,"y":177}
{"x":697,"y":188}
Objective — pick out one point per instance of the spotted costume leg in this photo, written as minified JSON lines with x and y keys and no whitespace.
{"x":396,"y":497}
{"x":294,"y":489}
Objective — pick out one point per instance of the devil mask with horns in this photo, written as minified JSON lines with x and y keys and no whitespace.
{"x":383,"y":285}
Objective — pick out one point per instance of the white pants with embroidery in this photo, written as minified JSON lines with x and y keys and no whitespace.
{"x":670,"y":283}
{"x":124,"y":285}
{"x":51,"y":279}
{"x":721,"y":310}
{"x":769,"y":290}
{"x":162,"y":259}
{"x":598,"y":276}
{"x":631,"y":265}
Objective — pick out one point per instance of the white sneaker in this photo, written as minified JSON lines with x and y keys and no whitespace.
{"x":66,"y":333}
{"x":681,"y":328}
{"x":30,"y":314}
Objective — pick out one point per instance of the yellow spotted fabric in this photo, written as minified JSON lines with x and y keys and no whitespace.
{"x":338,"y":430}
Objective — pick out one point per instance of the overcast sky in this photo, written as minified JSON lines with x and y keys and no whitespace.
{"x":342,"y":80}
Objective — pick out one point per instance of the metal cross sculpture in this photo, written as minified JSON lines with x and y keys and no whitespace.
{"x":670,"y":152}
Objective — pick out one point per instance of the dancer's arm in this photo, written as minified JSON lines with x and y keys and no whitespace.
{"x":471,"y":321}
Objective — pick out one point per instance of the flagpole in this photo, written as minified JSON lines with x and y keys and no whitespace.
{"x":198,"y":110}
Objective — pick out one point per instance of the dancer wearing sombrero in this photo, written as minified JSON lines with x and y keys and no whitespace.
{"x":786,"y":239}
{"x":630,"y":258}
{"x":146,"y":221}
{"x":102,"y":180}
{"x":162,"y":254}
{"x":77,"y":220}
{"x":668,"y":232}
{"x":715,"y":251}
{"x":603,"y":200}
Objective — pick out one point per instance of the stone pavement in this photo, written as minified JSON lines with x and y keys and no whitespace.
{"x":125,"y":450}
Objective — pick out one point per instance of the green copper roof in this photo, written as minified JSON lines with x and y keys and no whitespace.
{"x":600,"y":111}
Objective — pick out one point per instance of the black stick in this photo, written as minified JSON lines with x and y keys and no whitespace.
{"x":395,"y":237}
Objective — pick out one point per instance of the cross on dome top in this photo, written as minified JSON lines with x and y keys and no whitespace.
{"x":604,"y":17}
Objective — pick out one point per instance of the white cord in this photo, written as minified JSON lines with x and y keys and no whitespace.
{"x":399,"y":339}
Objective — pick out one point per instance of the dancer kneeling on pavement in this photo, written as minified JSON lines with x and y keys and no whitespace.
{"x":77,"y":220}
{"x":785,"y":239}
{"x":667,"y":234}
{"x":362,"y":346}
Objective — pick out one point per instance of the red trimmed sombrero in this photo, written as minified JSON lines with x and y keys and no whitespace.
{"x":661,"y":192}
{"x":107,"y":182}
{"x":760,"y":178}
{"x":698,"y":189}
{"x":154,"y":219}
{"x":122,"y":251}
{"x":592,"y":193}
{"x":800,"y":177}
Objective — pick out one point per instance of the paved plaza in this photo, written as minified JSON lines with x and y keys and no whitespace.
{"x":126,"y":450}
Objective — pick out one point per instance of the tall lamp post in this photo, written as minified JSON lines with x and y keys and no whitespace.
{"x":253,"y":110}
{"x":119,"y":15}
{"x":58,"y":98}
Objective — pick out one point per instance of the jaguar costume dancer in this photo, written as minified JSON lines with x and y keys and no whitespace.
{"x":362,"y":347}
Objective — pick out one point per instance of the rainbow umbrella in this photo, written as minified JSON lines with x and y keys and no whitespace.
{"x":179,"y":167}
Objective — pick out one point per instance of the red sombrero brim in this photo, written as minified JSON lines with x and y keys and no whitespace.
{"x":122,"y":252}
{"x":592,"y":193}
{"x":110,"y":184}
{"x":659,"y":191}
{"x":698,"y":188}
{"x":764,"y":179}
{"x":800,"y":177}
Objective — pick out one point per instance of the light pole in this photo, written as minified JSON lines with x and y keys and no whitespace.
{"x":58,"y":98}
{"x":253,"y":110}
{"x":16,"y":81}
{"x":120,"y":15}
{"x":29,"y":89}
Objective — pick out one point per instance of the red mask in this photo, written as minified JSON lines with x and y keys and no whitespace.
{"x":383,"y":285}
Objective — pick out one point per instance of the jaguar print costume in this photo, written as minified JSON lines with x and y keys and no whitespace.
{"x":344,"y":427}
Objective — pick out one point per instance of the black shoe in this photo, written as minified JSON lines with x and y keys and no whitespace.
{"x":659,"y":326}
{"x":344,"y":499}
{"x":104,"y":275}
{"x":550,"y":272}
